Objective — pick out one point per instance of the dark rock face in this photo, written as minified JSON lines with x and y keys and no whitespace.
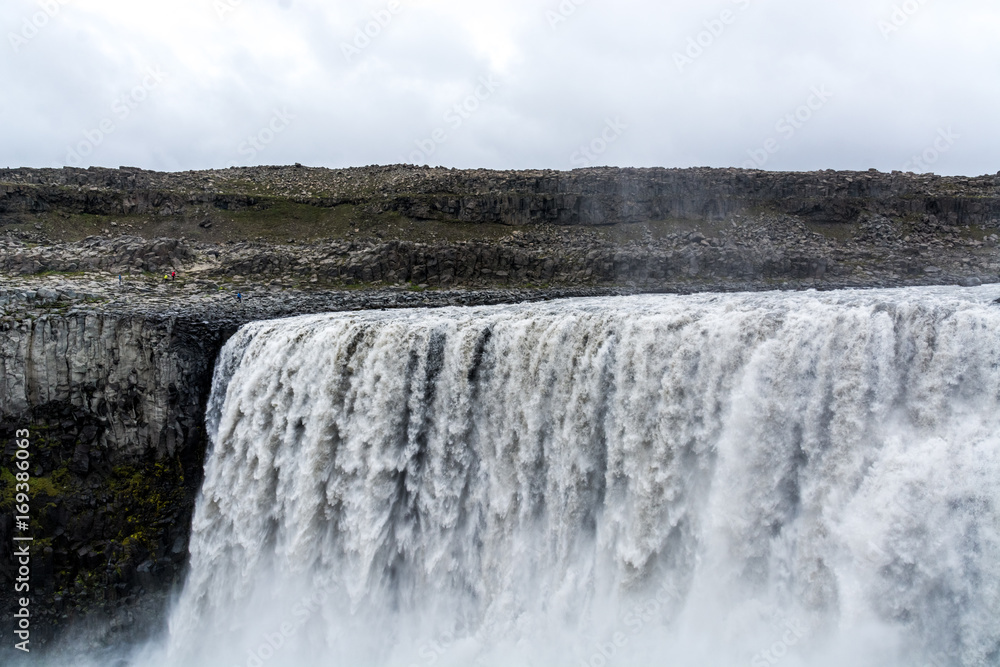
{"x":114,"y":410}
{"x":141,"y":380}
{"x":583,"y":197}
{"x":611,"y":196}
{"x":749,"y":253}
{"x":110,"y":255}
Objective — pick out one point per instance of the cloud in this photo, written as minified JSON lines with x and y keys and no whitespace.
{"x":566,"y":67}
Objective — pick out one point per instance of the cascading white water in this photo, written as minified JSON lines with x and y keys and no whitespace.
{"x":795,"y":479}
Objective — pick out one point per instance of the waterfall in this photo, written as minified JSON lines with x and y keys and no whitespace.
{"x":753,"y":479}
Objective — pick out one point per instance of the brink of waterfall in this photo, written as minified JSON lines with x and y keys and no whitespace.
{"x":795,"y":479}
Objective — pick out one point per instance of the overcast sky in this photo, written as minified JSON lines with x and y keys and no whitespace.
{"x":779,"y":84}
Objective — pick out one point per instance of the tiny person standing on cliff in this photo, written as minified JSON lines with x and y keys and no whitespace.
{"x":239,"y":297}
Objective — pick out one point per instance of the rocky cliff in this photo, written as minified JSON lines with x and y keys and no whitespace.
{"x":643,"y":228}
{"x":113,"y":405}
{"x":583,"y":197}
{"x":110,"y":374}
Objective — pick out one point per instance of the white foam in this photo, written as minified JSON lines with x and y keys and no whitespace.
{"x":794,"y":479}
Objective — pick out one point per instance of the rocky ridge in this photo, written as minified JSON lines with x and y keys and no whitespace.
{"x":764,"y":251}
{"x":582,"y":197}
{"x":396,"y":225}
